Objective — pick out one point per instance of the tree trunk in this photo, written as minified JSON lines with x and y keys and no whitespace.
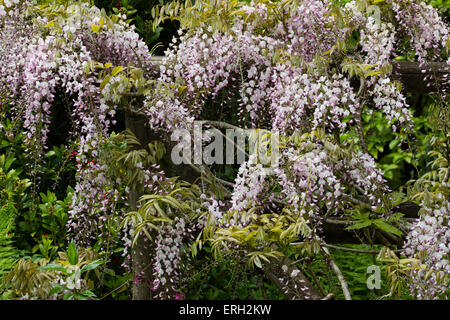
{"x":142,"y":254}
{"x":293,"y":289}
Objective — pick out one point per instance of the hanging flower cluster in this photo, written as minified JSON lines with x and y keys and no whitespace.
{"x":378,"y":40}
{"x":300,"y":292}
{"x":167,"y":259}
{"x":154,"y":181}
{"x":216,"y":212}
{"x":388,"y":99}
{"x":317,"y":175}
{"x":311,"y":29}
{"x":426,"y":29}
{"x":58,"y":59}
{"x":429,"y":241}
{"x":249,"y":187}
{"x":305,"y":102}
{"x":90,"y":213}
{"x":206,"y":62}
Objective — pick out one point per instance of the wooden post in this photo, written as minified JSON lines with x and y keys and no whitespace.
{"x":141,"y":255}
{"x":411,"y":75}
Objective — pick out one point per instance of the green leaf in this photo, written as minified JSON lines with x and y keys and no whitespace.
{"x":72,"y":253}
{"x":387,"y":227}
{"x":92,"y":265}
{"x":153,"y":36}
{"x":88,"y":293}
{"x":68,"y":296}
{"x":380,"y":148}
{"x":116,"y":70}
{"x":393,"y":144}
{"x":51,"y":153}
{"x":53,"y":266}
{"x":95,"y":28}
{"x":359,"y":225}
{"x":57,"y":288}
{"x":257,"y":262}
{"x":104,"y":82}
{"x":372,"y":74}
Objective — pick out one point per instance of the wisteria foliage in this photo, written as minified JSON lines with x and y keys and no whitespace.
{"x":287,"y":66}
{"x":292,"y":77}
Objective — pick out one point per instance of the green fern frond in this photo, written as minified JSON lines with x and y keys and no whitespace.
{"x":8,"y":253}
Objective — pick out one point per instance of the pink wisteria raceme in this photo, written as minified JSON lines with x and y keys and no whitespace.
{"x":388,"y":99}
{"x":167,"y":259}
{"x":300,"y":100}
{"x":312,"y":29}
{"x":426,"y":29}
{"x":248,"y":190}
{"x":378,"y":40}
{"x":429,"y":241}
